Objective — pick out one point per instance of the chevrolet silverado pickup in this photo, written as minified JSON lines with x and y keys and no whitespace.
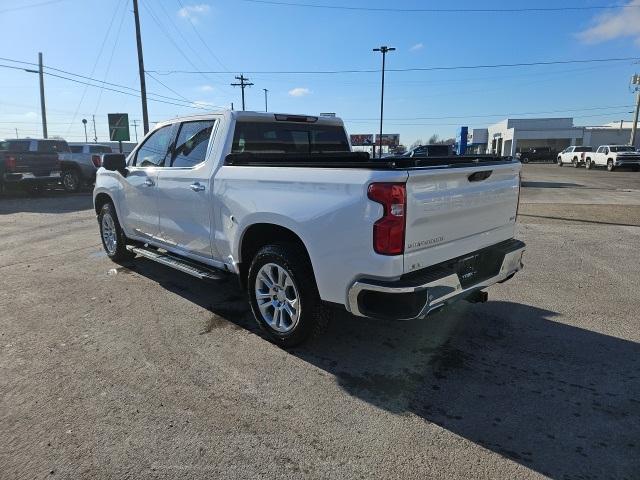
{"x":305,"y":224}
{"x":614,"y":156}
{"x":30,"y":164}
{"x":81,"y":165}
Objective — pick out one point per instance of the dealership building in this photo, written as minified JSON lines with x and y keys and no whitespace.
{"x":513,"y":135}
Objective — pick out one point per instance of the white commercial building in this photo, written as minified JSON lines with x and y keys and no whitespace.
{"x":514,"y":135}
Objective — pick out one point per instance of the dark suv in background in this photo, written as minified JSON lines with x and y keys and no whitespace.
{"x":537,"y":154}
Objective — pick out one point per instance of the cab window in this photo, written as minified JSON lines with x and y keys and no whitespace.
{"x":154,"y":151}
{"x":192,"y":143}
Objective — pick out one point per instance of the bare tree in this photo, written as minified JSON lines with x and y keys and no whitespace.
{"x":415,"y":144}
{"x":433,"y":139}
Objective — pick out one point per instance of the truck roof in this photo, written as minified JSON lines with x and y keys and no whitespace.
{"x":258,"y":117}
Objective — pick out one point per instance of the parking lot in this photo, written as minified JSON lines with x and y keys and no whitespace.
{"x":140,"y":371}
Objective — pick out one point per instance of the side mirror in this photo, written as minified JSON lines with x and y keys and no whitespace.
{"x":116,"y":162}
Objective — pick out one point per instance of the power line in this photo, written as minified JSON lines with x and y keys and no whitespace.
{"x":442,"y":10}
{"x":496,"y":114}
{"x":33,"y":5}
{"x":66,"y":72}
{"x":131,"y":94}
{"x":215,"y":57}
{"x":412,"y":69}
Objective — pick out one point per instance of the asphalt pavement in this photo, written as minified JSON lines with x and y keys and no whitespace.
{"x":139,"y":371}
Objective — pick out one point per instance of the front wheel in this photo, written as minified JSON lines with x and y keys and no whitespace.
{"x":589,"y":164}
{"x":114,"y":241}
{"x":71,"y":181}
{"x":283,"y":295}
{"x":610,"y":166}
{"x":575,"y":163}
{"x":559,"y":161}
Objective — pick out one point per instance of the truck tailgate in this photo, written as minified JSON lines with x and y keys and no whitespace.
{"x":40,"y":164}
{"x":454,"y":211}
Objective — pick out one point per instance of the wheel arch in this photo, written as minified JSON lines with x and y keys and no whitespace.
{"x":100,"y":200}
{"x":258,"y":235}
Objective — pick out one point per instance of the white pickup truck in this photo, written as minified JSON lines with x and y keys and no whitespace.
{"x":280,"y":201}
{"x":614,"y":156}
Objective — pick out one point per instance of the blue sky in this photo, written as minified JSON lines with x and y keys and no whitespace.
{"x":96,"y":38}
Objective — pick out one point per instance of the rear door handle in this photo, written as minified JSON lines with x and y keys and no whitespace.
{"x":149,"y":183}
{"x":196,"y":187}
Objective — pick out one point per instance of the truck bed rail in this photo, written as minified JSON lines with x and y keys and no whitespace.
{"x":359,"y":160}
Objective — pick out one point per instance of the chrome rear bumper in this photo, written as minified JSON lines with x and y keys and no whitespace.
{"x":438,"y":292}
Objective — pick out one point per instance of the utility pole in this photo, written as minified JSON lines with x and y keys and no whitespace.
{"x":43,"y":110}
{"x":95,"y":135}
{"x":266,"y":107}
{"x":17,"y":136}
{"x":383,"y":50}
{"x":84,"y":122}
{"x":635,"y":80}
{"x":135,"y":129}
{"x":244,"y":82}
{"x":143,"y":85}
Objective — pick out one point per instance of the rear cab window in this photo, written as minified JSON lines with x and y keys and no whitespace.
{"x":75,"y":148}
{"x":288,"y":137}
{"x":100,"y":149}
{"x":583,"y":149}
{"x":53,"y":146}
{"x":15,"y":145}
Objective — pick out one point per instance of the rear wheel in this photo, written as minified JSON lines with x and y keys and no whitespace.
{"x":525,"y":160}
{"x":114,"y":241}
{"x":71,"y":181}
{"x":283,"y":295}
{"x":588,"y":164}
{"x":610,"y":165}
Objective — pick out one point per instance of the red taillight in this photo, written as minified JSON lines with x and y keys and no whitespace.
{"x":388,"y":232}
{"x":96,"y":161}
{"x":10,"y":163}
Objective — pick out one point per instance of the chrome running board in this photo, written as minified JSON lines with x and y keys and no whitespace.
{"x":189,"y":267}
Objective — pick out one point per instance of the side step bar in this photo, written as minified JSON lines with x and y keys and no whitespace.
{"x":195,"y":269}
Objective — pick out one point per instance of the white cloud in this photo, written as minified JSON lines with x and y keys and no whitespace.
{"x":416,"y":47}
{"x":299,"y":92}
{"x":192,"y":12}
{"x":205,"y":88}
{"x":621,"y":22}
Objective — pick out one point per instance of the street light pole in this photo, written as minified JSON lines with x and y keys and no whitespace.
{"x":384,"y":49}
{"x":266,"y":108}
{"x":635,"y":80}
{"x":84,"y":122}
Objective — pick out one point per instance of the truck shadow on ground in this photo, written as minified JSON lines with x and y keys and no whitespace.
{"x":560,"y":400}
{"x":50,"y":201}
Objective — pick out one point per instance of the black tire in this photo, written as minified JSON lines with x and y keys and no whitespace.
{"x":71,"y":180}
{"x":589,"y":164}
{"x":575,"y":163}
{"x":525,"y":160}
{"x":313,"y":317}
{"x":559,"y":162}
{"x":610,"y":166}
{"x":117,"y":252}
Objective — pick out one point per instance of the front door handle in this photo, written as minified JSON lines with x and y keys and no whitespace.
{"x":196,"y":187}
{"x":149,"y":183}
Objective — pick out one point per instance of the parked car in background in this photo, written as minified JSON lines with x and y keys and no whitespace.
{"x":31,"y":164}
{"x":432,"y":150}
{"x":280,"y":201}
{"x":537,"y":154}
{"x":575,"y":155}
{"x":80,"y":167}
{"x":614,"y":156}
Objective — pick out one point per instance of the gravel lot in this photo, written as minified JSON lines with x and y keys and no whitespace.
{"x":144,"y":372}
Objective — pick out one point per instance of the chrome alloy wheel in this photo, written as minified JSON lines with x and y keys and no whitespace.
{"x":109,"y":235}
{"x":277,"y":298}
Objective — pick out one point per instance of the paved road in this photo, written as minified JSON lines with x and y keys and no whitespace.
{"x":143,"y":372}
